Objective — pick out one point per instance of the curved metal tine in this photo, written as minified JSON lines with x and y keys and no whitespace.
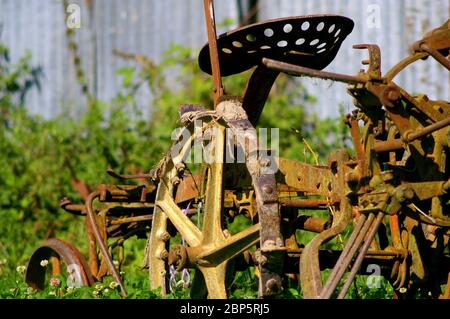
{"x":360,"y":258}
{"x":347,"y":255}
{"x":101,"y":242}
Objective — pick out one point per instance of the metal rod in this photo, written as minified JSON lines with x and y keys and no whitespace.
{"x":436,"y":55}
{"x":293,"y":69}
{"x":101,"y":243}
{"x":347,"y":255}
{"x":361,"y":255}
{"x":135,"y":176}
{"x":131,"y":219}
{"x":388,"y":146}
{"x":429,"y":129}
{"x":300,"y":203}
{"x":213,"y":51}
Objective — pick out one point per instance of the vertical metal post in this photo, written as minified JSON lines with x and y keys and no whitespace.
{"x":213,"y":51}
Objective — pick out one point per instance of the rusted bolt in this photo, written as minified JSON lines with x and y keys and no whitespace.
{"x":393,"y":95}
{"x":272,"y":286}
{"x":164,"y":236}
{"x":352,"y":177}
{"x":164,"y":254}
{"x":180,"y":167}
{"x":267,"y":189}
{"x":175,"y":181}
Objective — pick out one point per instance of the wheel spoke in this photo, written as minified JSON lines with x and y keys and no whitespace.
{"x":212,"y":220}
{"x":231,"y":247}
{"x":182,"y":223}
{"x":215,"y":281}
{"x":198,"y":287}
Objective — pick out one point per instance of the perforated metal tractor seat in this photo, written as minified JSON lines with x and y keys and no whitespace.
{"x":309,"y":41}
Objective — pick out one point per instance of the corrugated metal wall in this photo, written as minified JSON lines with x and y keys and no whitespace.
{"x":149,"y":27}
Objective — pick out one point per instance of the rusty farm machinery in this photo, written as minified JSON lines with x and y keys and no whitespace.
{"x":391,"y":198}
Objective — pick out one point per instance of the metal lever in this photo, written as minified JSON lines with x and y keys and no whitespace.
{"x":137,"y":176}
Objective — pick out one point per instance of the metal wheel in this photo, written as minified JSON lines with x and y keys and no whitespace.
{"x":209,"y":249}
{"x":56,"y":252}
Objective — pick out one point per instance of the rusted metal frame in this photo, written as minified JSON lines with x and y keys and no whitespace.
{"x":359,"y":148}
{"x":360,"y":154}
{"x":310,"y":276}
{"x":127,"y":177}
{"x":357,"y":264}
{"x":35,"y":273}
{"x":304,"y":203}
{"x":396,"y":144}
{"x":436,"y":55}
{"x":428,"y":130}
{"x":396,"y":253}
{"x":311,"y":223}
{"x":312,"y":179}
{"x":265,"y":187}
{"x":124,"y":193}
{"x":256,"y":92}
{"x":100,"y":241}
{"x":231,"y":247}
{"x":374,"y":61}
{"x":411,"y":136}
{"x":396,"y":69}
{"x":309,"y":261}
{"x":213,"y":50}
{"x":345,"y":258}
{"x":92,"y":248}
{"x":127,"y":220}
{"x":296,"y":70}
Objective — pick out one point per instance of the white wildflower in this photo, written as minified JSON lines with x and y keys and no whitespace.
{"x":98,"y":287}
{"x":113,"y":285}
{"x":21,"y":269}
{"x":44,"y":263}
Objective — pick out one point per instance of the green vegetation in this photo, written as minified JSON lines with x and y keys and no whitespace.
{"x":41,"y":157}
